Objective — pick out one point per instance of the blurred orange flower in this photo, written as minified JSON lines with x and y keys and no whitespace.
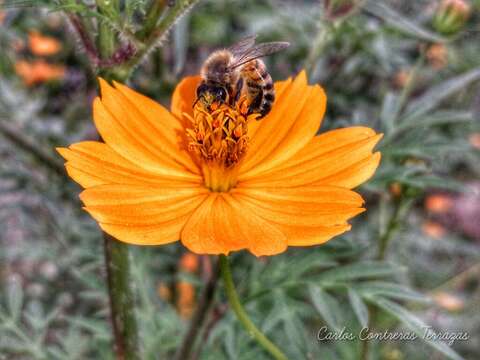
{"x":163,"y":291}
{"x":38,"y":71}
{"x":438,"y":203}
{"x":474,"y":140}
{"x":449,"y":301}
{"x":395,"y":189}
{"x":433,"y":229}
{"x":437,"y":56}
{"x":220,"y":180}
{"x":43,"y":45}
{"x":185,"y":298}
{"x":402,"y":77}
{"x":189,"y":262}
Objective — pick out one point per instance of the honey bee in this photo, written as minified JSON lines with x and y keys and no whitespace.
{"x":227,"y":72}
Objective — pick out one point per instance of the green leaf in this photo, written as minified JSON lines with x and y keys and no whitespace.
{"x":438,"y":118}
{"x":358,"y":271}
{"x":416,"y":325}
{"x":436,"y":94}
{"x":298,"y":266}
{"x":359,"y":307}
{"x":370,"y":289}
{"x":433,"y":181}
{"x":401,"y":22}
{"x":327,"y":306}
{"x":390,"y":107}
{"x":427,"y":151}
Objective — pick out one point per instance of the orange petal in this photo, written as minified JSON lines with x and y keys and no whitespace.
{"x":279,"y":125}
{"x":303,"y":206}
{"x":156,"y":124}
{"x":124,"y":141}
{"x":164,"y":233}
{"x":308,"y":236}
{"x":295,"y":128}
{"x":354,"y":175}
{"x":146,"y":125}
{"x":142,"y":215}
{"x":340,"y":158}
{"x":91,"y":163}
{"x":221,"y":225}
{"x":184,"y":96}
{"x":305,"y":215}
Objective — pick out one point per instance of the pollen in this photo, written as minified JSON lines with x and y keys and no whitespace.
{"x":218,"y":138}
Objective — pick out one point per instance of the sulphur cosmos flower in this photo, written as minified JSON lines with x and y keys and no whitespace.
{"x":220,"y":180}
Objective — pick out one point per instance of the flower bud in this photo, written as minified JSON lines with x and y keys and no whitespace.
{"x":451,"y":16}
{"x":437,"y":56}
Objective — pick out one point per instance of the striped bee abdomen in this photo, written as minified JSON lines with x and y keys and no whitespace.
{"x":259,"y":87}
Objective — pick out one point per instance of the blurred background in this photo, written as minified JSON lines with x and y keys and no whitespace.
{"x":409,"y":69}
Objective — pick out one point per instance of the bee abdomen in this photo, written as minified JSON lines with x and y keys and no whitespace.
{"x":259,"y":86}
{"x":268,"y":96}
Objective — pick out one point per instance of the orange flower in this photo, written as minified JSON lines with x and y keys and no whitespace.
{"x":438,"y":203}
{"x":163,"y":291}
{"x":402,"y":78}
{"x":220,"y":180}
{"x":38,"y":71}
{"x":433,"y":229}
{"x":437,"y":56}
{"x":474,"y":140}
{"x":185,"y":299}
{"x":43,"y":45}
{"x":449,"y":301}
{"x":189,"y":262}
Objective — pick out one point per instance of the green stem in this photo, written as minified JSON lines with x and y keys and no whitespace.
{"x":401,"y":208}
{"x":122,"y":301}
{"x":320,"y":41}
{"x":106,"y":36}
{"x":242,"y":316}
{"x":117,"y":257}
{"x":153,"y":15}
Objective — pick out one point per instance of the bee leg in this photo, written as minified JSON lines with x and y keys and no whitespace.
{"x":238,"y":90}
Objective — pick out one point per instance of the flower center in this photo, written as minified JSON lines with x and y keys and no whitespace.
{"x":219,"y":139}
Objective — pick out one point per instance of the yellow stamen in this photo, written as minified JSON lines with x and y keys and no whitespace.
{"x":219,"y":138}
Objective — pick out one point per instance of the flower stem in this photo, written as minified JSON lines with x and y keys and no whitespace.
{"x":242,"y":316}
{"x":117,"y":258}
{"x":122,"y":302}
{"x":106,"y":36}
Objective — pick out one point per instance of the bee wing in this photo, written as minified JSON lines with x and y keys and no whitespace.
{"x":243,"y":45}
{"x":258,"y":51}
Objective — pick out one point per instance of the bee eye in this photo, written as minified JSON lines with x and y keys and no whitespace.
{"x":201,"y":89}
{"x":220,"y":93}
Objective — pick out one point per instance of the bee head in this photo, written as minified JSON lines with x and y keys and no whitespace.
{"x":209,"y":94}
